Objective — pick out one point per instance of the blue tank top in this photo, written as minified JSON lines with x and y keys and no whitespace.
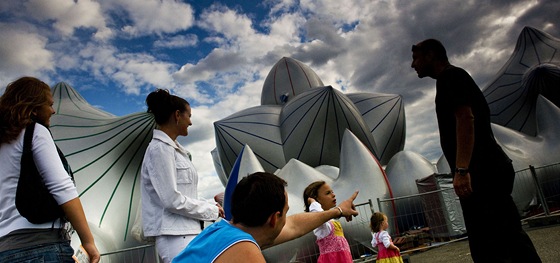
{"x":212,"y":242}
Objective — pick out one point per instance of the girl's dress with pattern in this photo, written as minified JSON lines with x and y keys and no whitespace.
{"x":385,"y":255}
{"x":334,"y":248}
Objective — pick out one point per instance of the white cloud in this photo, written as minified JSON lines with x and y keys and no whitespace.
{"x":134,"y":72}
{"x":226,"y":22}
{"x":23,"y":52}
{"x":156,"y":17}
{"x":244,"y":55}
{"x":339,"y":12}
{"x":69,"y":15}
{"x":284,"y":29}
{"x":180,"y":41}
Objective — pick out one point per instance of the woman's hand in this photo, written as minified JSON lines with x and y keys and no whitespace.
{"x":221,"y":212}
{"x":92,"y":251}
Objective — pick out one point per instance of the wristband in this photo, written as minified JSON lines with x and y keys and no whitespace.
{"x":462,"y":171}
{"x":339,"y":209}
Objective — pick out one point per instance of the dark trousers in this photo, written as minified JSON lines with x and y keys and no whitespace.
{"x":492,"y":220}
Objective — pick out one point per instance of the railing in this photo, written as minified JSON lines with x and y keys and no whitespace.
{"x":140,"y":254}
{"x":434,"y":218}
{"x":543,"y":183}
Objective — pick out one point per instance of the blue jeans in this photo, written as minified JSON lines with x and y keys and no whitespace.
{"x":46,"y":253}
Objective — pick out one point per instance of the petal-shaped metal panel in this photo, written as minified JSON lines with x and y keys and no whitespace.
{"x":404,"y":169}
{"x":512,"y":95}
{"x":312,"y":126}
{"x":106,"y":154}
{"x":384,"y":114}
{"x":360,"y":170}
{"x":256,"y":127}
{"x":247,"y":163}
{"x":287,"y":79}
{"x":218,"y":166}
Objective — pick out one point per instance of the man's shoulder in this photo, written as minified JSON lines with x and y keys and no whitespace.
{"x":246,"y":251}
{"x":223,"y":234}
{"x":215,"y":240}
{"x":453,"y":70}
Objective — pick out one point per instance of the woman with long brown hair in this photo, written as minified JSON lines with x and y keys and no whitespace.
{"x":27,"y":105}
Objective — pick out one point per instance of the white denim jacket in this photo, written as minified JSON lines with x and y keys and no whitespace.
{"x":170,"y":204}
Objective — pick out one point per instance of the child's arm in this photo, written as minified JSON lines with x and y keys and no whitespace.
{"x":393,"y":247}
{"x":386,"y":239}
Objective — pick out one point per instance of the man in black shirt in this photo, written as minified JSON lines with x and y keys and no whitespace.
{"x":483,"y":173}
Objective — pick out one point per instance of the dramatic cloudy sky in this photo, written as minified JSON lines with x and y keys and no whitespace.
{"x":216,"y":54}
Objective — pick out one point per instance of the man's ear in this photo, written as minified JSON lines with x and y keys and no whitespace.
{"x":273,"y":219}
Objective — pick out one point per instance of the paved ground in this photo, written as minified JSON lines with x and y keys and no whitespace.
{"x":545,"y":238}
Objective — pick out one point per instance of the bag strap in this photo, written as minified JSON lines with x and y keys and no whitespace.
{"x":28,"y":162}
{"x":28,"y":143}
{"x":28,"y":138}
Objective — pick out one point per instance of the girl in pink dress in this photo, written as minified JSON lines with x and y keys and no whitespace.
{"x":319,"y":196}
{"x":387,"y":252}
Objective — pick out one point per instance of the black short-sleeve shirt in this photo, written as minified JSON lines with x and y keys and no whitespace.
{"x":455,"y":87}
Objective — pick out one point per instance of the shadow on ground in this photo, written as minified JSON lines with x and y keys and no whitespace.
{"x":545,"y":238}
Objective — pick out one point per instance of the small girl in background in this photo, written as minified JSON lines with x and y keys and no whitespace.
{"x":333,"y":247}
{"x":387,"y":252}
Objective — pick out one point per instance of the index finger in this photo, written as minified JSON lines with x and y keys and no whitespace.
{"x":353,"y":197}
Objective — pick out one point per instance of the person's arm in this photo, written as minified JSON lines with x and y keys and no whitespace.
{"x":300,"y":224}
{"x":465,"y":144}
{"x":240,"y":253}
{"x":75,"y":213}
{"x":393,"y":247}
{"x":61,"y":187}
{"x":386,"y":239}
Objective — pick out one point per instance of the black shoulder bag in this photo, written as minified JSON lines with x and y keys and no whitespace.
{"x":33,"y":199}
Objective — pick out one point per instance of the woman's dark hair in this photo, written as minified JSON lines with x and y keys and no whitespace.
{"x":17,"y":104}
{"x":162,"y":105}
{"x":256,"y":197}
{"x":312,"y":191}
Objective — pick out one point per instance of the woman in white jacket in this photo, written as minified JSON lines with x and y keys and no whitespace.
{"x":171,"y":210}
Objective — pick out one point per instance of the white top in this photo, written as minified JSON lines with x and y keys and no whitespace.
{"x":384,"y":237}
{"x":326,"y":228}
{"x":50,"y":168}
{"x":170,"y":204}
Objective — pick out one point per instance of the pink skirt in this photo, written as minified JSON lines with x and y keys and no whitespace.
{"x":342,"y":256}
{"x":385,"y":255}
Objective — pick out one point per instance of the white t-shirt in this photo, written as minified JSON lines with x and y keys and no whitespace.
{"x":383,"y":237}
{"x":50,"y":168}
